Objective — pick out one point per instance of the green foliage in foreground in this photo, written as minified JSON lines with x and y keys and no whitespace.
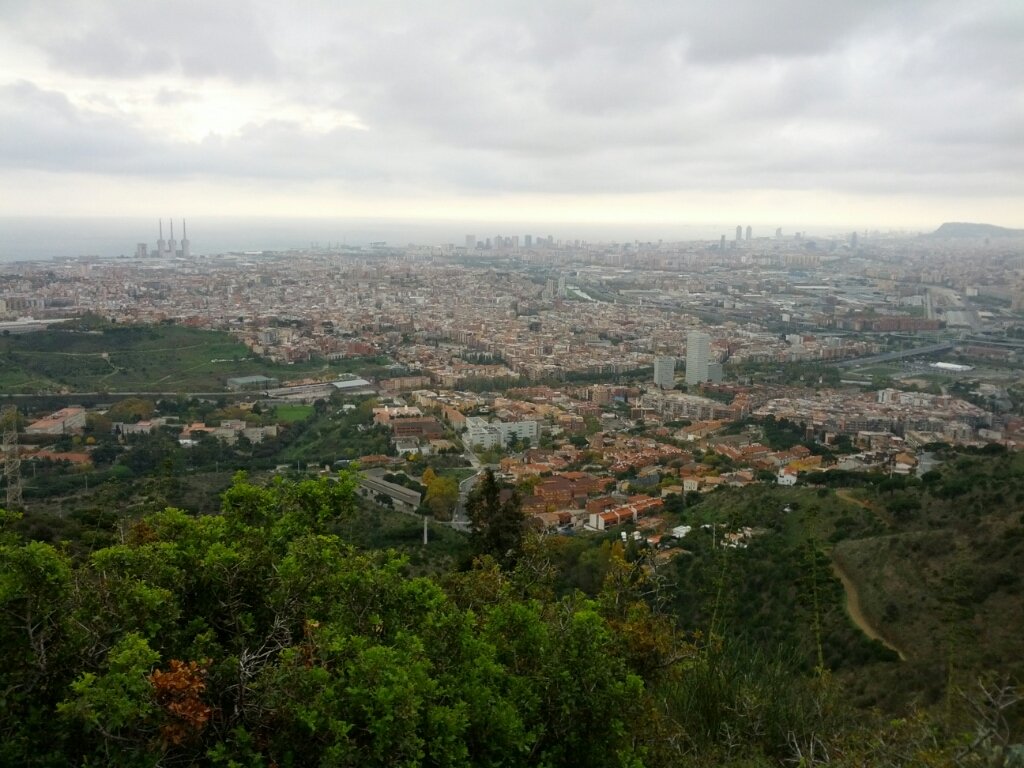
{"x":257,"y":637}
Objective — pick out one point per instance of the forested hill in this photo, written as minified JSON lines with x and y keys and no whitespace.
{"x":966,"y":229}
{"x":258,"y":637}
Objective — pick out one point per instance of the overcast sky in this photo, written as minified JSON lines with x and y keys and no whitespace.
{"x":859,"y":112}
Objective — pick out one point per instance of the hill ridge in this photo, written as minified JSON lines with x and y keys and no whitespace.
{"x":972,"y":229}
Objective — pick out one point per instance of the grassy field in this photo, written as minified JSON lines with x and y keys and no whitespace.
{"x":377,"y":528}
{"x":289,"y":414}
{"x":14,"y":378}
{"x":936,"y":563}
{"x":459,"y":473}
{"x":335,"y":436}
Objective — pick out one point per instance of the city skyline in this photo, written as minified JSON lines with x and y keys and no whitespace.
{"x":855,"y":115}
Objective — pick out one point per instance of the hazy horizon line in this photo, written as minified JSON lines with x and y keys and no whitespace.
{"x":532,"y":223}
{"x":39,"y":238}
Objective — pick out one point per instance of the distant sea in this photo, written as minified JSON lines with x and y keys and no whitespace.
{"x":36,"y":239}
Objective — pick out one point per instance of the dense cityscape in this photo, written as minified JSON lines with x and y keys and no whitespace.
{"x":886,"y":344}
{"x":608,"y":389}
{"x":515,"y":385}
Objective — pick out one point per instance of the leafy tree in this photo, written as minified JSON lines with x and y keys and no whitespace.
{"x":442,"y":495}
{"x":98,"y":425}
{"x":903,"y":505}
{"x":497,"y":527}
{"x":116,"y":703}
{"x":259,"y":637}
{"x":106,"y":454}
{"x":131,"y":409}
{"x":579,"y":441}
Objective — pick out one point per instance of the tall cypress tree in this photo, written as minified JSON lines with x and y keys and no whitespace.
{"x":498,"y":527}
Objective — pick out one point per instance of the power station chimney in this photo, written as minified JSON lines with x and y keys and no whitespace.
{"x":186,"y":247}
{"x":172,"y":245}
{"x":161,"y":244}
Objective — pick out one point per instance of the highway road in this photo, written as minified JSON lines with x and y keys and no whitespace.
{"x":898,"y":355}
{"x":147,"y":393}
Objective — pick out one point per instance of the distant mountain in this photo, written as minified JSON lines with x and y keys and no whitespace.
{"x":963,"y":229}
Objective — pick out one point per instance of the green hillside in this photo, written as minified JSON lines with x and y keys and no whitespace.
{"x":151,"y":358}
{"x":935,"y":564}
{"x":260,"y":637}
{"x":944,"y":583}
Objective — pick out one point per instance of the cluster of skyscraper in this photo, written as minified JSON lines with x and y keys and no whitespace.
{"x":498,"y":242}
{"x":167,"y":248}
{"x":739,"y":236}
{"x":699,"y":367}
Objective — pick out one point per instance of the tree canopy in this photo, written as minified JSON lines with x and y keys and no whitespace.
{"x":498,"y":526}
{"x":259,"y":637}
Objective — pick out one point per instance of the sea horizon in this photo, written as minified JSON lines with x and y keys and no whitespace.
{"x":24,"y":238}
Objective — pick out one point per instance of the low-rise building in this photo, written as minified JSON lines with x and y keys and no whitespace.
{"x":786,"y":476}
{"x":637,"y":507}
{"x":61,"y":422}
{"x":402,"y":499}
{"x":242,"y":383}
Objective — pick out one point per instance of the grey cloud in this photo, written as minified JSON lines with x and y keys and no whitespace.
{"x":169,"y":97}
{"x":741,"y":155}
{"x":569,"y":97}
{"x":43,"y":130}
{"x":129,"y":39}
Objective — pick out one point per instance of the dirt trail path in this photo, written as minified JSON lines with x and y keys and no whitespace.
{"x":853,"y":608}
{"x":879,"y":512}
{"x":845,"y":495}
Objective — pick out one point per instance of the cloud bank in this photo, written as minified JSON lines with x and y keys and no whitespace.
{"x":521,"y":101}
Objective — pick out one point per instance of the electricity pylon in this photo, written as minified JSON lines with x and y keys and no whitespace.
{"x":11,"y":455}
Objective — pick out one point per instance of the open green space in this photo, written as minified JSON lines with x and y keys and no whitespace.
{"x":101,"y":357}
{"x":292,"y":413}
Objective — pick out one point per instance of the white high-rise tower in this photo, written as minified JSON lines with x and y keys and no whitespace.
{"x":698,"y":351}
{"x":665,"y":372}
